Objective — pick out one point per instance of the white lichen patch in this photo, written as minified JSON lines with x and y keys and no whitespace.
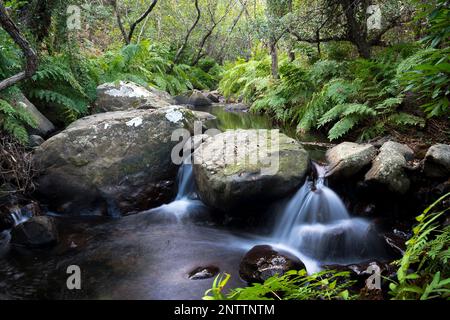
{"x":174,"y":115}
{"x":128,"y":90}
{"x":135,"y":122}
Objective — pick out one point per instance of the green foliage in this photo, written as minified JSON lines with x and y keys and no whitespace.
{"x":151,"y":64}
{"x":57,"y":84}
{"x":428,"y":73}
{"x":294,"y":285}
{"x":14,"y":119}
{"x":362,"y":96}
{"x":428,"y":254}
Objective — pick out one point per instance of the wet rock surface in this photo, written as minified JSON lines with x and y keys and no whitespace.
{"x":202,"y":273}
{"x":37,"y":232}
{"x":263,"y":262}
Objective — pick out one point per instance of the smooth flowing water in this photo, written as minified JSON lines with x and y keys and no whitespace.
{"x":316,"y":223}
{"x":186,"y":203}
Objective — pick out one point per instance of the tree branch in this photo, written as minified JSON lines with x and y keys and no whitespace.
{"x":128,"y":37}
{"x":29,"y":53}
{"x":186,"y":39}
{"x":140,"y":19}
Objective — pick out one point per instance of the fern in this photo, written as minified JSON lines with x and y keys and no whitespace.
{"x":14,"y":121}
{"x":428,"y":254}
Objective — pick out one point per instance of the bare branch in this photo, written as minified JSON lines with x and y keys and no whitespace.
{"x":29,"y":53}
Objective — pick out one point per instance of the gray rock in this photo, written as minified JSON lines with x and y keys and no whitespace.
{"x":263,"y":262}
{"x":437,"y":161}
{"x":236,"y":107}
{"x":35,"y":141}
{"x":123,"y":96}
{"x":227,"y":178}
{"x":111,"y":162}
{"x":204,"y":116}
{"x":348,"y":159}
{"x":214,"y":96}
{"x":198,"y":99}
{"x":37,"y":232}
{"x":388,"y":168}
{"x":43,"y":125}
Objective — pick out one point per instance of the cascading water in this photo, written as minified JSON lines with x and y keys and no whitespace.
{"x":317,"y":224}
{"x":186,"y":202}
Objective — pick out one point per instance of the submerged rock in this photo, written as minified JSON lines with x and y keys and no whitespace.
{"x":236,"y":107}
{"x":388,"y":168}
{"x":128,"y":95}
{"x":114,"y":162}
{"x":201,"y":273}
{"x":437,"y":162}
{"x":348,"y":159}
{"x":263,"y":262}
{"x":235,"y":167}
{"x":37,"y":232}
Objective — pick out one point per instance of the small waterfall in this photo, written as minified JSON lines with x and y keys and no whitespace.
{"x":316,"y":223}
{"x":20,"y":216}
{"x":186,"y":202}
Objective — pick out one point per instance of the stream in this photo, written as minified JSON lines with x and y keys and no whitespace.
{"x":151,"y":254}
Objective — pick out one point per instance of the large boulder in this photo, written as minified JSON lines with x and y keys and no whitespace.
{"x":37,"y":232}
{"x":237,"y":167}
{"x":348,"y":159}
{"x":43,"y":125}
{"x":437,"y":161}
{"x":388,"y":168}
{"x":111,"y":162}
{"x":123,"y":96}
{"x":263,"y":262}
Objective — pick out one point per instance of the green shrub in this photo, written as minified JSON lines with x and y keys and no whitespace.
{"x":294,"y":285}
{"x":424,"y":270}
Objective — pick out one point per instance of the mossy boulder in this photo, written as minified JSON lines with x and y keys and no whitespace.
{"x":238,"y":167}
{"x":111,"y":162}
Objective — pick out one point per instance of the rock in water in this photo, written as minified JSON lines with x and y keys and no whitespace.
{"x":263,"y":262}
{"x":198,"y":99}
{"x":437,"y":161}
{"x":111,"y":162}
{"x":37,"y":232}
{"x":237,"y":167}
{"x":128,"y":95}
{"x":388,"y":168}
{"x":348,"y":159}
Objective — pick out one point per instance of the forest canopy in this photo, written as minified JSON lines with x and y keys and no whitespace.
{"x":342,"y":67}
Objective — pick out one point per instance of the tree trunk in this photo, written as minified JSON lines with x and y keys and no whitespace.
{"x":274,"y":55}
